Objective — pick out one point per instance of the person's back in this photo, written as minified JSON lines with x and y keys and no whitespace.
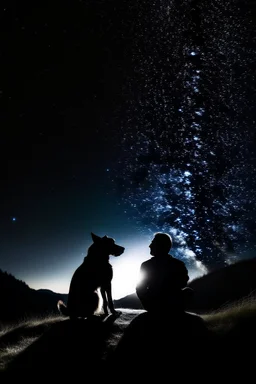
{"x":162,"y":277}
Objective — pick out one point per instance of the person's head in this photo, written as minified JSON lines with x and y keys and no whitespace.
{"x":161,"y":244}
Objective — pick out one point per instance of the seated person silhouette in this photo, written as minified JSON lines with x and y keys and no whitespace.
{"x":164,"y":278}
{"x":164,"y":341}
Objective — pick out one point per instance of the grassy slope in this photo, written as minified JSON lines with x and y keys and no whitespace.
{"x":51,"y":345}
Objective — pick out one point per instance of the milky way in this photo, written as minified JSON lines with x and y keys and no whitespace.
{"x":187,"y":137}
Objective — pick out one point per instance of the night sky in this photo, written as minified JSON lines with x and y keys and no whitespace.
{"x":126,"y":118}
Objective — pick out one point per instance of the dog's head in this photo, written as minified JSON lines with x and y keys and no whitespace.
{"x":107,"y":245}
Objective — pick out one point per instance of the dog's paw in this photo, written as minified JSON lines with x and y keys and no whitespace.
{"x":116,"y":313}
{"x":104,"y":316}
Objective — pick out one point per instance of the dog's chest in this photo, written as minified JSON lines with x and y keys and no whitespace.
{"x":99,"y":273}
{"x":105,"y":273}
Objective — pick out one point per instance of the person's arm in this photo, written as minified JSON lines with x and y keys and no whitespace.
{"x":184,"y":278}
{"x":142,"y":285}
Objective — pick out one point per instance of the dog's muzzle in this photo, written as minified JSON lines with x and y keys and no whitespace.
{"x":118,"y":250}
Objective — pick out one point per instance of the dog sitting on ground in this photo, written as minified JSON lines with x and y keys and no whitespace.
{"x":94,"y":274}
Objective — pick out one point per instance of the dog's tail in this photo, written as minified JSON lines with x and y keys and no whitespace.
{"x":62,"y":308}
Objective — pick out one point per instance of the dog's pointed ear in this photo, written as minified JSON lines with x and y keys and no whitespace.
{"x":95,"y":237}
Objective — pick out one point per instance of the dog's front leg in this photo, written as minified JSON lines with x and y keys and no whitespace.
{"x":110,"y":301}
{"x":105,"y":302}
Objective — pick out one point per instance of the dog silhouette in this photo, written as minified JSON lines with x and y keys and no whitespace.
{"x":94,"y":274}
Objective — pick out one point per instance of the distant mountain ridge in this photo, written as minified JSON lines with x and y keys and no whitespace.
{"x":211,"y":292}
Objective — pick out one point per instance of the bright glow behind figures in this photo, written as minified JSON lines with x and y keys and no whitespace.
{"x":188,"y":163}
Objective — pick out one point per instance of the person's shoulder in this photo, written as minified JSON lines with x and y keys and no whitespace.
{"x":147,"y":262}
{"x":177,"y":262}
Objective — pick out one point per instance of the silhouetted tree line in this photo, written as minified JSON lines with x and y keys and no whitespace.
{"x":18,"y":300}
{"x":226,"y":285}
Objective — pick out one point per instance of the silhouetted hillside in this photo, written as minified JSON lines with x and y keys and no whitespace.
{"x":129,"y":301}
{"x":211,"y":292}
{"x":18,"y":300}
{"x":224,"y":286}
{"x":215,"y":289}
{"x":137,"y":346}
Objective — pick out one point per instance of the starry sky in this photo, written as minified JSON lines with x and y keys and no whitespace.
{"x":126,"y":118}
